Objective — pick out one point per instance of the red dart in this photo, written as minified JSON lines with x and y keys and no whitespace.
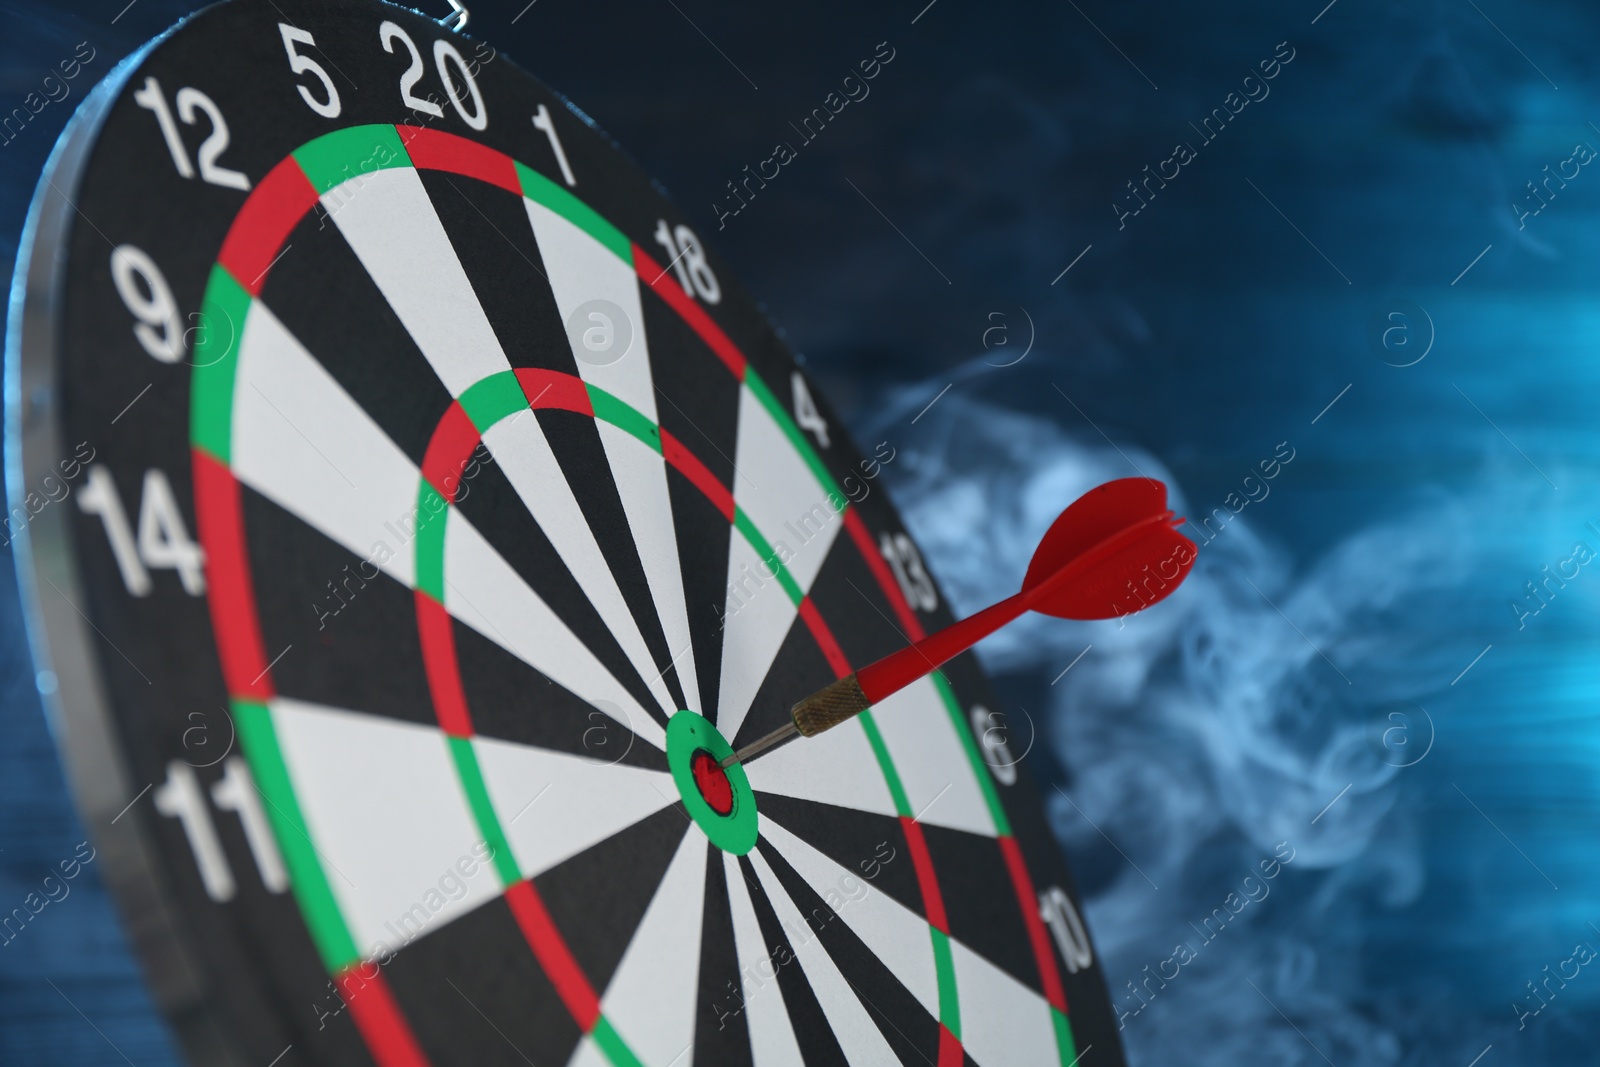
{"x":1113,"y":552}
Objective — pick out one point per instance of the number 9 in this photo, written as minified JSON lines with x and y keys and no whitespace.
{"x":159,"y":329}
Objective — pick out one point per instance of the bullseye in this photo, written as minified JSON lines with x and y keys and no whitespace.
{"x":712,"y":782}
{"x":717,"y":798}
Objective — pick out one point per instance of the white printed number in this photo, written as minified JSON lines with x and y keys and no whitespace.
{"x":299,"y":64}
{"x":191,"y":103}
{"x":1056,"y":909}
{"x":181,"y":797}
{"x":541,"y":121}
{"x":163,"y":540}
{"x":389,"y":33}
{"x":459,"y":84}
{"x":906,"y":562}
{"x":991,"y":733}
{"x":148,"y":296}
{"x":806,"y":415}
{"x":688,"y":261}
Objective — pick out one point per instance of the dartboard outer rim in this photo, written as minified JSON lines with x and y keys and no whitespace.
{"x":79,"y":710}
{"x":62,"y":640}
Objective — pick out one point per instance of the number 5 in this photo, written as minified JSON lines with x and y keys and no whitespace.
{"x":299,"y":64}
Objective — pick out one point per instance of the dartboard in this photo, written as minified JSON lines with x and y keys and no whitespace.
{"x":415,"y":514}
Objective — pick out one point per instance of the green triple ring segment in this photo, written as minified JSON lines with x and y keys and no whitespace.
{"x":735,"y":832}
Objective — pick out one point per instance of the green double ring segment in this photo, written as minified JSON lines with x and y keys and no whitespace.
{"x":735,"y":832}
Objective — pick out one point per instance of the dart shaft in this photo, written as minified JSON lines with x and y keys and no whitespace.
{"x":853,"y":694}
{"x":762,"y":743}
{"x":899,"y":669}
{"x":850,"y":696}
{"x":827,"y":707}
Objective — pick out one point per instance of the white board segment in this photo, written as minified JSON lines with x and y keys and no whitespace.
{"x":585,"y":276}
{"x":896,"y":935}
{"x":304,"y":443}
{"x":386,"y":813}
{"x":776,"y":488}
{"x":482,"y":590}
{"x":1003,"y":1022}
{"x":640,"y":475}
{"x":835,"y":767}
{"x":589,"y":1054}
{"x":651,"y":998}
{"x":932,"y":762}
{"x":553,"y":805}
{"x":520,"y":448}
{"x":771,"y":1033}
{"x":390,"y":223}
{"x":757,"y":616}
{"x":583,"y":270}
{"x":857,"y":1034}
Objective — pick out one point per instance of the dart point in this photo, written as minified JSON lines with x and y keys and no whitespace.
{"x":761,"y":744}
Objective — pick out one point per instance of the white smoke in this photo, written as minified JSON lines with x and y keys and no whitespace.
{"x":1235,"y":715}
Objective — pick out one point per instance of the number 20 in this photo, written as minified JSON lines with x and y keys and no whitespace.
{"x":445,"y":56}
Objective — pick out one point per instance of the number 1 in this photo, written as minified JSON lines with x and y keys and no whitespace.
{"x":906,"y":561}
{"x":237,"y":793}
{"x":541,"y":121}
{"x":181,"y":797}
{"x":152,"y":99}
{"x":99,"y":497}
{"x":163,"y":541}
{"x":675,"y":255}
{"x":191,"y":103}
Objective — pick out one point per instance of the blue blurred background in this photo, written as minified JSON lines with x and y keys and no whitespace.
{"x":1349,"y":283}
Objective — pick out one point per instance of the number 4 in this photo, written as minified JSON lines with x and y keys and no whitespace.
{"x":163,"y":540}
{"x":806,"y":415}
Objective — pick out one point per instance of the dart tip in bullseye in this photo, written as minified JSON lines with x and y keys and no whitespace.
{"x":761,"y":744}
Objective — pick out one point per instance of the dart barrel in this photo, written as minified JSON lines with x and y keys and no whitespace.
{"x":829,"y":706}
